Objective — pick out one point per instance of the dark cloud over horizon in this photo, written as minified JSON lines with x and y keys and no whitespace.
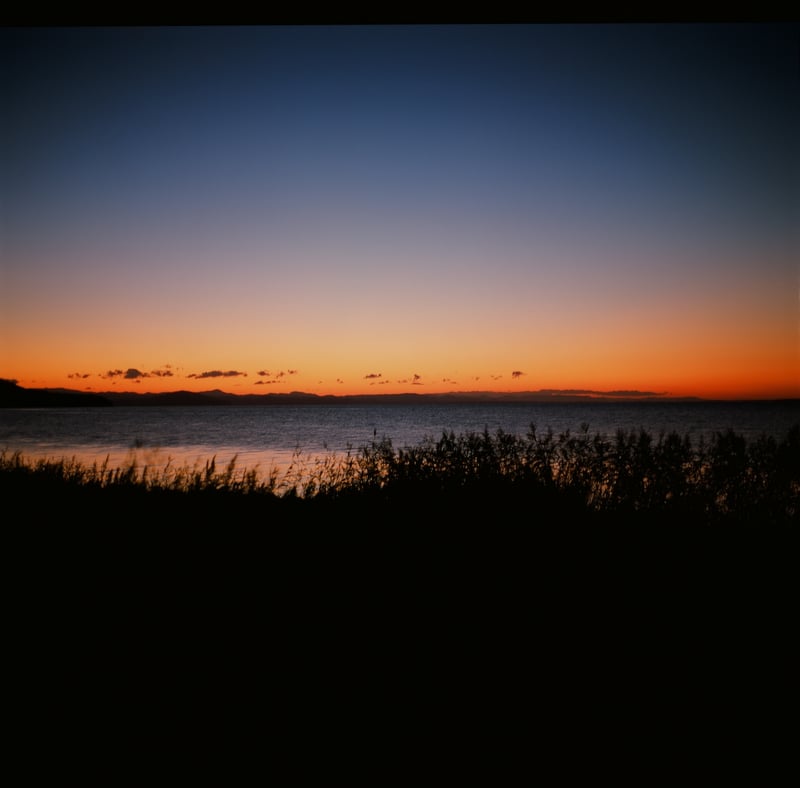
{"x":217,"y":373}
{"x":265,"y":373}
{"x":131,"y":373}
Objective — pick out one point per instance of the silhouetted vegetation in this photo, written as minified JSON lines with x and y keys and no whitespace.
{"x":634,"y":476}
{"x":584,"y":569}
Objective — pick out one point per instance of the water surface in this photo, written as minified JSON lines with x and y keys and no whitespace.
{"x":267,"y":436}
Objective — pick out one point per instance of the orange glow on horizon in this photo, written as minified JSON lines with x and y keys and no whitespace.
{"x":738,"y":340}
{"x":771,"y":383}
{"x":368,"y":210}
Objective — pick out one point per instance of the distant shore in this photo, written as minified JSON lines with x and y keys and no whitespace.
{"x":15,"y":396}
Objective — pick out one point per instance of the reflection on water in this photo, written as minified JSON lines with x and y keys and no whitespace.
{"x":281,"y":463}
{"x":273,"y":438}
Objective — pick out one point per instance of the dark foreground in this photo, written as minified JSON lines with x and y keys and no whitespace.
{"x":496,"y":611}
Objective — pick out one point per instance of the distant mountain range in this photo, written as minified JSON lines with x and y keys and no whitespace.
{"x":15,"y":396}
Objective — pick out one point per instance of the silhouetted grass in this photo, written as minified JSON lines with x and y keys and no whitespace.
{"x":575,"y":573}
{"x":633,"y":476}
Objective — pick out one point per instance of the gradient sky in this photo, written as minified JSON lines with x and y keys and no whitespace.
{"x":402,"y":208}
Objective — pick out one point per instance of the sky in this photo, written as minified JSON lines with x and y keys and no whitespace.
{"x":380,"y":209}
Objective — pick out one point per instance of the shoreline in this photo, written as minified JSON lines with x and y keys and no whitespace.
{"x":15,"y":396}
{"x":633,"y":476}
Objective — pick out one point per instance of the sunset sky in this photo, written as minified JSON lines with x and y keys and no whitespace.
{"x":403,"y":208}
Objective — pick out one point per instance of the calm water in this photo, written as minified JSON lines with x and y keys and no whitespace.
{"x":269,"y":436}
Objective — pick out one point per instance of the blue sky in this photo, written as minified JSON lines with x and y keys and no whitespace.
{"x":399,"y":195}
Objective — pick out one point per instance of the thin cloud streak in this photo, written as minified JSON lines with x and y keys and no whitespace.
{"x":216,"y":373}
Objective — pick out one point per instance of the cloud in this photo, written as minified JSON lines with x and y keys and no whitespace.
{"x":265,"y":382}
{"x":339,"y":380}
{"x":450,"y":380}
{"x":495,"y":377}
{"x":79,"y":375}
{"x":517,"y":374}
{"x":217,"y":373}
{"x":373,"y":376}
{"x":131,"y":373}
{"x":265,"y":373}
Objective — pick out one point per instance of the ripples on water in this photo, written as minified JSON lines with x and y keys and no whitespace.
{"x":272,"y":436}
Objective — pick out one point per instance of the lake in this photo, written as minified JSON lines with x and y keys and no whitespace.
{"x":270,"y":436}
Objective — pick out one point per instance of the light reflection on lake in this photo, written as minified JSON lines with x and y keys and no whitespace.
{"x":270,"y":437}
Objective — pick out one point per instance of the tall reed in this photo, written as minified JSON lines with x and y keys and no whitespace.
{"x":634,"y":472}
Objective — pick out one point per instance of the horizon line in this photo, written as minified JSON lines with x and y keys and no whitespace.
{"x":543,"y":394}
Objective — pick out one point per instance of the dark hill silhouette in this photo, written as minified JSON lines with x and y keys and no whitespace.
{"x":14,"y":396}
{"x":217,"y":397}
{"x":170,"y":398}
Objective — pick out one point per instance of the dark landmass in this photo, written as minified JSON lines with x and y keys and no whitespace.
{"x":14,"y":396}
{"x":218,"y":397}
